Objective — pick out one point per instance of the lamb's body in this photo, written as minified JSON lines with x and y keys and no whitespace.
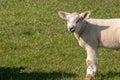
{"x":101,"y":33}
{"x":92,"y":34}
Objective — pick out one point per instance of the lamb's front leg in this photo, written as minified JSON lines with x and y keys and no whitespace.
{"x":91,"y":62}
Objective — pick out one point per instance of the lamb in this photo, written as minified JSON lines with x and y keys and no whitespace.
{"x":91,"y":34}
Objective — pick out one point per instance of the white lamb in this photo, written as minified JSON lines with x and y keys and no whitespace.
{"x":92,"y":34}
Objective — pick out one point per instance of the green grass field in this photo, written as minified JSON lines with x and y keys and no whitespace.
{"x":35,"y":43}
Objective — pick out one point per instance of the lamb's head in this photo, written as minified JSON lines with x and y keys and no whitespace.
{"x":74,"y":20}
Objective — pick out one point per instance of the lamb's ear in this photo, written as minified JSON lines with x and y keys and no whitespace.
{"x":63,"y":14}
{"x":85,"y":15}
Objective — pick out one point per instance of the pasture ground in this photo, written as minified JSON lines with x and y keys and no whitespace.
{"x":35,"y":43}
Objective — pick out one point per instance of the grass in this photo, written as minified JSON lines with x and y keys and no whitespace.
{"x":35,"y":44}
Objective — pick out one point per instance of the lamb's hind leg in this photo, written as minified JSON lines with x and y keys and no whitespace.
{"x":91,"y":63}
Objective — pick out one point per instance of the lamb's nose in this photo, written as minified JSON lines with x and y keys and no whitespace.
{"x":72,"y":29}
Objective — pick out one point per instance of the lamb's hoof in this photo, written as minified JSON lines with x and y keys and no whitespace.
{"x":88,"y":77}
{"x":94,"y":74}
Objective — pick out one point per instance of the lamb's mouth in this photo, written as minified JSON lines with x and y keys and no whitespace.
{"x":72,"y":30}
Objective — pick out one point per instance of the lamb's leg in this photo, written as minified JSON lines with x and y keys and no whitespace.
{"x":91,"y":62}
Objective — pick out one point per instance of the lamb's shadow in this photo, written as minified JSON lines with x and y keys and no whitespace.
{"x":109,"y":74}
{"x":8,"y":73}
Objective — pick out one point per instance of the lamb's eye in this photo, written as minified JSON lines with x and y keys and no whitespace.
{"x":78,"y":20}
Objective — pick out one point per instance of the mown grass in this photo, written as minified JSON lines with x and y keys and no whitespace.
{"x":35,"y":44}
